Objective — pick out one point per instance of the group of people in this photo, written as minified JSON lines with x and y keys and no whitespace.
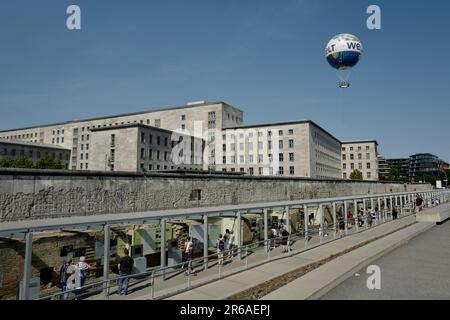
{"x":225,"y":245}
{"x":72,"y":277}
{"x":279,"y":234}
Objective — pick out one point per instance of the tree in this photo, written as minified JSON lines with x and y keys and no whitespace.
{"x":23,"y":162}
{"x":5,"y":163}
{"x":394,"y":174}
{"x":48,"y":163}
{"x":356,"y":175}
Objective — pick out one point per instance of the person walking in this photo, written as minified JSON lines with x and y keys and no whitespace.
{"x":188,"y":253}
{"x":220,"y":248}
{"x":419,"y":203}
{"x":125,"y":269}
{"x":83,"y":268}
{"x":285,"y":240}
{"x":64,"y":273}
{"x":230,"y":247}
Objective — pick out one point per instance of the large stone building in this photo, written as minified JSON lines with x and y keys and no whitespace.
{"x":295,"y":148}
{"x":360,"y":155}
{"x":11,"y":149}
{"x":138,"y":147}
{"x":193,"y":118}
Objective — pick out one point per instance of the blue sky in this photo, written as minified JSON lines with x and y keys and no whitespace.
{"x":265,"y":57}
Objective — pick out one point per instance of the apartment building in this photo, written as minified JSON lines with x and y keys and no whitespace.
{"x":194,"y":119}
{"x":295,"y":149}
{"x":11,"y":149}
{"x":360,"y":155}
{"x":138,"y":147}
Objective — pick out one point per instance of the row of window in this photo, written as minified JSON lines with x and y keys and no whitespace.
{"x":150,"y":154}
{"x":260,"y":134}
{"x":260,"y":145}
{"x":352,"y":156}
{"x":263,"y":171}
{"x":31,"y":153}
{"x":368,"y":175}
{"x":25,"y":136}
{"x":359,"y":148}
{"x":251,"y":158}
{"x":352,"y":166}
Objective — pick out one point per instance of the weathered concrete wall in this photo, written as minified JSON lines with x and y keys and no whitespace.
{"x":37,"y":194}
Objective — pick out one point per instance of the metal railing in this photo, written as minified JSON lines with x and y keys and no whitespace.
{"x":311,"y":236}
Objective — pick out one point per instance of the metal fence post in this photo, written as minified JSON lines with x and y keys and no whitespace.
{"x":335,"y":224}
{"x":152,"y":285}
{"x":306,"y":222}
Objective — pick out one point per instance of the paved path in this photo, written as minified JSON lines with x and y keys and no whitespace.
{"x":417,"y":270}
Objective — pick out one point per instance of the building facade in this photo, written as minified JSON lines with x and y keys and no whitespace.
{"x":423,"y":165}
{"x":402,"y":165}
{"x":360,"y":155}
{"x":138,"y":147}
{"x":11,"y":149}
{"x":192,"y":119}
{"x":296,"y":148}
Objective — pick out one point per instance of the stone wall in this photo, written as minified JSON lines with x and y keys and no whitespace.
{"x":32,"y":194}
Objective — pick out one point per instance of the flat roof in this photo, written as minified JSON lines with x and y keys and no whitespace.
{"x":274,"y":124}
{"x":359,"y":141}
{"x":31,"y":144}
{"x":124,"y":115}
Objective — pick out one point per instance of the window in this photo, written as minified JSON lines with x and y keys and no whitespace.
{"x":344,"y":166}
{"x":242,"y":170}
{"x":150,"y":154}
{"x":270,"y":145}
{"x":344,"y":157}
{"x":291,"y":156}
{"x":351,"y":148}
{"x":57,"y":140}
{"x":158,"y":140}
{"x":233,"y":159}
{"x":250,"y":158}
{"x":360,"y":166}
{"x":281,"y":171}
{"x":81,"y":156}
{"x":232,"y":147}
{"x":291,"y":170}
{"x":158,"y":155}
{"x":224,"y":159}
{"x":165,"y":155}
{"x":241,"y":159}
{"x":352,"y":166}
{"x":280,"y":132}
{"x":183,"y":127}
{"x":112,"y":154}
{"x":113,"y":140}
{"x":260,"y":145}
{"x":343,"y":148}
{"x":352,"y":157}
{"x":367,"y":148}
{"x":81,"y":166}
{"x":241,"y":147}
{"x":291,"y":132}
{"x":368,"y":175}
{"x":87,"y":158}
{"x":183,"y":117}
{"x":82,"y":147}
{"x":359,"y":156}
{"x":291,"y":143}
{"x":280,"y":157}
{"x":250,"y":171}
{"x":368,"y":165}
{"x":260,"y":158}
{"x":87,"y":137}
{"x":270,"y":157}
{"x":142,"y":137}
{"x":142,"y":153}
{"x":367,"y":156}
{"x":62,"y":140}
{"x":166,"y":142}
{"x":269,"y":133}
{"x":224,"y":147}
{"x":260,"y":133}
{"x":158,"y":123}
{"x":196,"y":195}
{"x":280,"y":144}
{"x":260,"y":171}
{"x":250,"y":146}
{"x":150,"y":139}
{"x":344,"y":175}
{"x":87,"y":146}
